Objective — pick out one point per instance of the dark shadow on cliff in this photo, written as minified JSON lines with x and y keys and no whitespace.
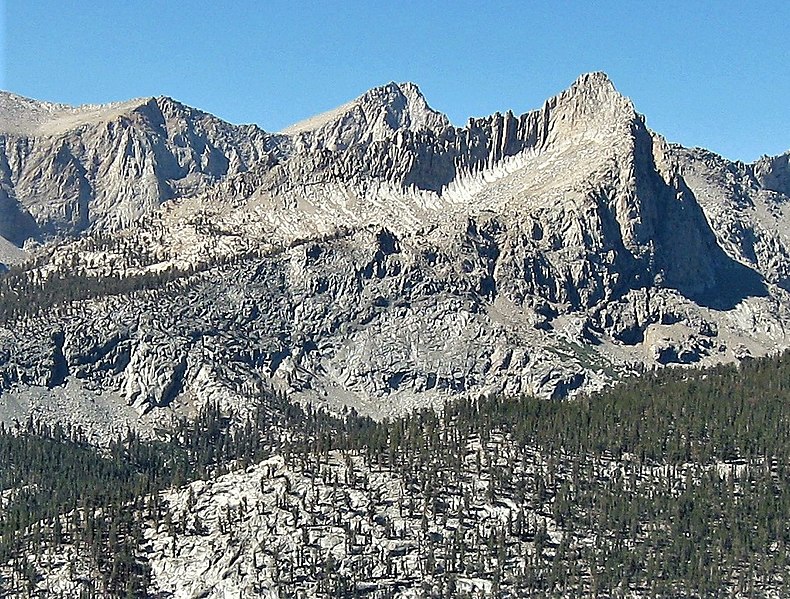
{"x":16,"y":224}
{"x":176,"y":384}
{"x":686,"y":255}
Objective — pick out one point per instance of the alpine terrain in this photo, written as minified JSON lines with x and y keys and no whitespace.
{"x":379,"y":354}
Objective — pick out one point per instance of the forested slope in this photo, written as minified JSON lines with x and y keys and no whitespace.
{"x":673,"y":484}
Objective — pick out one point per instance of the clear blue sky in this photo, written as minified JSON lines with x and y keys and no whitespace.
{"x":714,"y":74}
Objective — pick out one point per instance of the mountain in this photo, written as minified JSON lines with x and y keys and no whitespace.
{"x":67,"y":170}
{"x":220,"y":350}
{"x":373,"y":257}
{"x":375,"y":116}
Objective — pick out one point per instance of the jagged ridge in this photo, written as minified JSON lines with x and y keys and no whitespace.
{"x":102,"y":168}
{"x":405,"y":261}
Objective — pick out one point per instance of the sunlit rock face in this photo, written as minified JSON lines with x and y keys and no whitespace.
{"x":102,"y":168}
{"x":375,"y":256}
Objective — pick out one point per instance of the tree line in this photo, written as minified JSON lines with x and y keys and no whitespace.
{"x":675,"y":483}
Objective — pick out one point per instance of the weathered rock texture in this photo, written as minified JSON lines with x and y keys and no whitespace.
{"x":64,"y":170}
{"x":379,"y":257}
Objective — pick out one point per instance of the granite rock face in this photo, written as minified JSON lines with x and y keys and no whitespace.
{"x":66,"y":170}
{"x":378,"y":257}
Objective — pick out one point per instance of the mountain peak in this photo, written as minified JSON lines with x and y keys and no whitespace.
{"x":25,"y":116}
{"x":595,"y":80}
{"x":597,"y":89}
{"x":405,"y":105}
{"x":591,"y":102}
{"x":373,"y":116}
{"x":406,"y":89}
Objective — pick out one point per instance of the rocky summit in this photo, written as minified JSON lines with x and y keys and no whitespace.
{"x":375,"y":257}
